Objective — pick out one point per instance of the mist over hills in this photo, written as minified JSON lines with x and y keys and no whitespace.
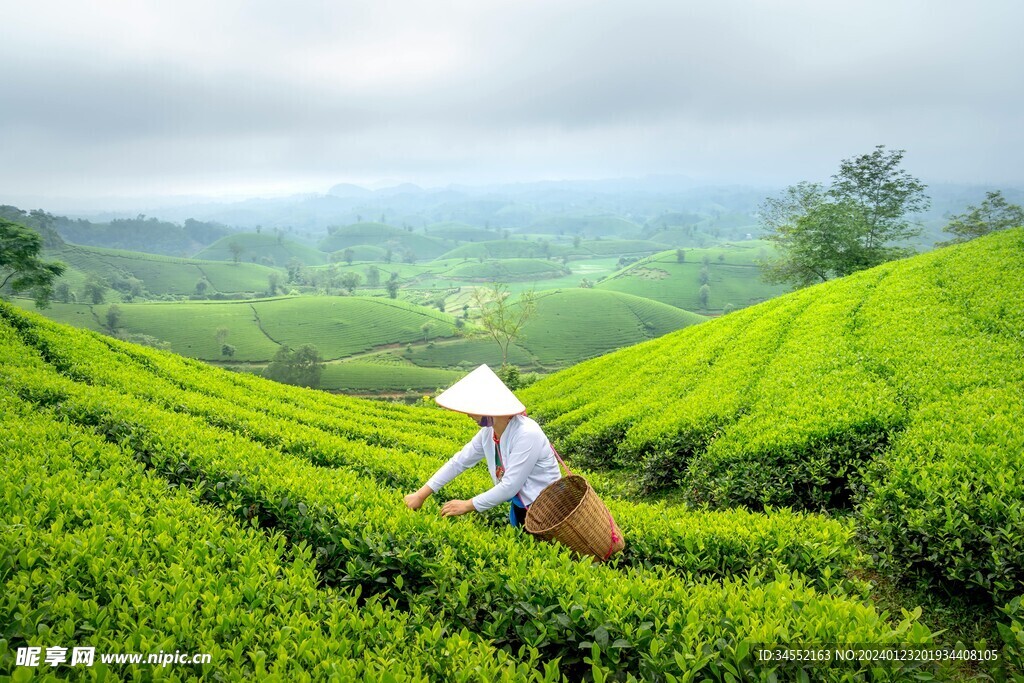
{"x":631,"y":208}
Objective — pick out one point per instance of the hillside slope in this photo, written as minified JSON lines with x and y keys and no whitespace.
{"x":897,"y":392}
{"x":231,"y":514}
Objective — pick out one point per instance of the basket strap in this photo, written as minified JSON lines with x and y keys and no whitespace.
{"x":560,"y":461}
{"x":615,"y":536}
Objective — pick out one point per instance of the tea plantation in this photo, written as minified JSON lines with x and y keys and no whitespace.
{"x":149,"y":502}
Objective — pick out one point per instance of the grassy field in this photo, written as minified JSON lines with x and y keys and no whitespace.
{"x":159,"y":274}
{"x":734,"y":279}
{"x":507,"y":270}
{"x":337,"y":326}
{"x":257,"y":247}
{"x":425,"y":247}
{"x":356,"y":377}
{"x":894,"y":396}
{"x":232,"y":515}
{"x":573,"y":324}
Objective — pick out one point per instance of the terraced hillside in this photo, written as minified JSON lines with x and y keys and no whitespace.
{"x":733,"y":277}
{"x":263,"y":249}
{"x":159,"y":274}
{"x":896,"y":394}
{"x":264,"y":525}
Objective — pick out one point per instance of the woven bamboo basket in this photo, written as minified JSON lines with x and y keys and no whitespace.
{"x":570,"y":512}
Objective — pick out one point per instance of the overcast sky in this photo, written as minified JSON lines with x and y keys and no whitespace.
{"x":139,"y":97}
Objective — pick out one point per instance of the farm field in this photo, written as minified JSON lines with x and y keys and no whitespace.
{"x":159,"y":274}
{"x":734,"y":277}
{"x":320,"y":480}
{"x":847,"y":445}
{"x":894,"y":396}
{"x":253,"y":247}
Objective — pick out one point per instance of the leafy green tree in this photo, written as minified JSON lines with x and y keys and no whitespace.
{"x":273,"y":283}
{"x":236,"y":250}
{"x":114,"y":317}
{"x":373,"y":276}
{"x":350,"y":281}
{"x":680,"y":255}
{"x":392,"y":287}
{"x":705,"y":295}
{"x":994,"y":214}
{"x":95,"y":288}
{"x":202,"y":285}
{"x":501,"y":318}
{"x":348,"y":255}
{"x":63,"y":293}
{"x":21,"y":269}
{"x":300,"y":367}
{"x":294,"y":269}
{"x":825,"y":233}
{"x":227,"y":350}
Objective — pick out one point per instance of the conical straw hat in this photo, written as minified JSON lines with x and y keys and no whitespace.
{"x":481,"y":392}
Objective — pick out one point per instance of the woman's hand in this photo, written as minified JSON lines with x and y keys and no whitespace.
{"x":454,"y":508}
{"x":414,"y":501}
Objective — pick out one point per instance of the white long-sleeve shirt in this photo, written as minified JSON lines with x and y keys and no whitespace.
{"x":525,"y":453}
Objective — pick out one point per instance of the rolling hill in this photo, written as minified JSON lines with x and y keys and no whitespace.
{"x":337,"y":326}
{"x":263,"y":249}
{"x":159,"y":274}
{"x":400,"y":241}
{"x":734,"y":278}
{"x":573,"y":324}
{"x":231,"y":515}
{"x":895,"y":395}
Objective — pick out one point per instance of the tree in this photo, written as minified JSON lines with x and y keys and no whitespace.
{"x":994,"y":214}
{"x":392,"y":287}
{"x":21,"y":269}
{"x":350,"y":280}
{"x":273,"y":283}
{"x":348,"y":255}
{"x":373,"y":276}
{"x":95,"y":288}
{"x":114,"y":317}
{"x":425,"y":328}
{"x":826,"y":233}
{"x":236,"y":250}
{"x":227,"y":350}
{"x":705,"y":294}
{"x":680,"y":256}
{"x":202,"y":284}
{"x":503,"y":319}
{"x":300,"y":367}
{"x":63,"y":293}
{"x":294,"y":269}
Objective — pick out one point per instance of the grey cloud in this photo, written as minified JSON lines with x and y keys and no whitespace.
{"x":457,"y":91}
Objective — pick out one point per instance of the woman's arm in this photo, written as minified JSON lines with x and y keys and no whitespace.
{"x":471,"y":454}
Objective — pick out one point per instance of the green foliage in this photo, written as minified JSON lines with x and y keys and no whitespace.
{"x":323,"y":476}
{"x":502,"y":320}
{"x":95,"y":289}
{"x":663,"y":278}
{"x":257,"y":246}
{"x":300,"y":367}
{"x":895,"y":393}
{"x":852,"y":225}
{"x":21,"y":268}
{"x":994,"y":214}
{"x":573,"y":324}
